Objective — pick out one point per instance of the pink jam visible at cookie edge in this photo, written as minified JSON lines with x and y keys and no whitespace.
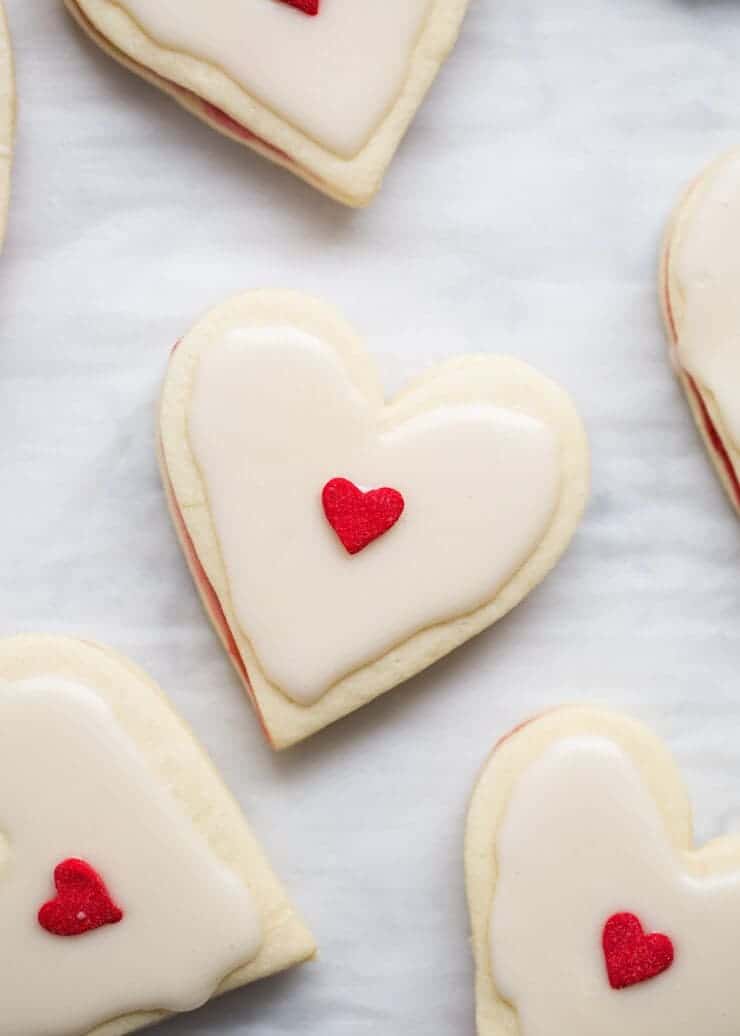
{"x":212,"y":602}
{"x":709,"y":426}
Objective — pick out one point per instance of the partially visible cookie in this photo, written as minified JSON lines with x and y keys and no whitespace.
{"x":700,"y":274}
{"x":340,"y":543}
{"x":130,"y":884}
{"x":325,"y":88}
{"x":7,"y":118}
{"x":591,"y":910}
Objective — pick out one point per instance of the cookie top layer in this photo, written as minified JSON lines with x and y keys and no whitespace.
{"x":334,"y":76}
{"x":130,"y":883}
{"x":274,"y":416}
{"x":75,"y":786}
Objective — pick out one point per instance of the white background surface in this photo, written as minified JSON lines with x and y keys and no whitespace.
{"x":522,"y":215}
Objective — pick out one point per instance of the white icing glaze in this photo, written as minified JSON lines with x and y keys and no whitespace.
{"x":333,"y":76}
{"x":72,"y":784}
{"x":583,"y":839}
{"x":705,"y":270}
{"x":273,"y":417}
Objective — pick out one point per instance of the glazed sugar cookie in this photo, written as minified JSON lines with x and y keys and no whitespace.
{"x":699,"y":278}
{"x":592,"y":913}
{"x":130,"y":884}
{"x":7,"y":119}
{"x":326,"y":88}
{"x":341,"y":544}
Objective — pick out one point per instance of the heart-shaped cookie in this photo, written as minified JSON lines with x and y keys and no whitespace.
{"x":163,"y":897}
{"x":269,"y":401}
{"x":698,"y":287}
{"x":7,"y":118}
{"x":591,"y":910}
{"x":329,"y":96}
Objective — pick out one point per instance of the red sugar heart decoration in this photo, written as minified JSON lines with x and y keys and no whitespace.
{"x":359,"y":518}
{"x":82,"y":903}
{"x":307,"y":6}
{"x":631,"y":955}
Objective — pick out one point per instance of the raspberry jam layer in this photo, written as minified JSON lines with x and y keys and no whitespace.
{"x":210,"y":597}
{"x":716,"y":440}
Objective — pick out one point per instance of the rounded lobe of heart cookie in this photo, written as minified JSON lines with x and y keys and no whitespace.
{"x":702,"y":272}
{"x":82,"y":903}
{"x":631,"y":955}
{"x":359,"y":518}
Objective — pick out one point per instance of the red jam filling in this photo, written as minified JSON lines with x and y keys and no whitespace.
{"x":213,"y":603}
{"x":709,"y":426}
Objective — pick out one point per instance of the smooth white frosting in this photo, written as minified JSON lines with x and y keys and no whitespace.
{"x":74,"y":785}
{"x":582,"y":839}
{"x":333,"y":76}
{"x":273,"y":417}
{"x":705,"y":271}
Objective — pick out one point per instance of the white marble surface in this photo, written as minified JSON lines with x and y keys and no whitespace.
{"x":523,"y":215}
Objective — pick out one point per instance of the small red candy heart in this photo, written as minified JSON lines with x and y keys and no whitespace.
{"x":307,"y":6}
{"x":359,"y":518}
{"x":631,"y":955}
{"x":82,"y":903}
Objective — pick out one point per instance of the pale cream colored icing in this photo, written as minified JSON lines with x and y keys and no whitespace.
{"x":333,"y":76}
{"x":73,"y":785}
{"x":273,"y":417}
{"x":705,"y":271}
{"x":581,"y":840}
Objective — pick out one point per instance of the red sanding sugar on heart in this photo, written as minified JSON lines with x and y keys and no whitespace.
{"x":631,"y":955}
{"x":358,"y":518}
{"x":82,"y":903}
{"x":307,"y":6}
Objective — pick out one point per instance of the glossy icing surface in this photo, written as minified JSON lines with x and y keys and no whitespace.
{"x":74,"y":785}
{"x":582,"y":840}
{"x":273,"y":417}
{"x":333,"y":76}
